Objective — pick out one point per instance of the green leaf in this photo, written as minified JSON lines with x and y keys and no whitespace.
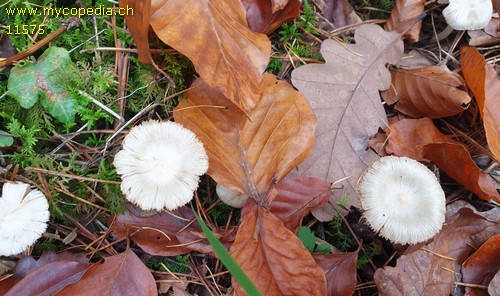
{"x":228,"y":261}
{"x":5,"y":139}
{"x":322,"y":248}
{"x":307,"y":237}
{"x":30,"y":82}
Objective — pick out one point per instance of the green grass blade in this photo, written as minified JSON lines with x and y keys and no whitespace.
{"x":228,"y":261}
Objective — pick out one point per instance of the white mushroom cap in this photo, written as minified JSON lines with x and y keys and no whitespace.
{"x":23,"y":217}
{"x":230,"y":197}
{"x":468,"y":14}
{"x":160,"y":164}
{"x":402,"y":200}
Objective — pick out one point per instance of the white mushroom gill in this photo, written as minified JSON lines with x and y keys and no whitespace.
{"x":468,"y":14}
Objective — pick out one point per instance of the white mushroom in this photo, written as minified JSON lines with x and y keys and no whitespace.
{"x":160,"y":165}
{"x":402,"y":199}
{"x":23,"y":217}
{"x":230,"y":197}
{"x":468,"y":14}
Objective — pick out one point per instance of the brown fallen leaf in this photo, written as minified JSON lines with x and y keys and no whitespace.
{"x":45,"y":276}
{"x":138,"y":26}
{"x":431,"y":270}
{"x":167,"y":234}
{"x":483,"y":81}
{"x":338,"y":13}
{"x":278,"y":4}
{"x":481,"y":267}
{"x":225,"y":52}
{"x":432,"y":91}
{"x":493,"y":27}
{"x":296,"y":197}
{"x":340,"y":271}
{"x":344,"y":94}
{"x":262,"y":19}
{"x":273,"y":257}
{"x":122,"y":274}
{"x":419,"y":139}
{"x":494,"y":286}
{"x":248,"y":154}
{"x":404,"y":13}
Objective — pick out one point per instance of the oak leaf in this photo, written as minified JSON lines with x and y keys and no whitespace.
{"x":250,"y":153}
{"x":344,"y":94}
{"x":483,"y":81}
{"x":273,"y":257}
{"x":122,"y":274}
{"x":427,"y":92}
{"x":167,"y":233}
{"x":261,"y":18}
{"x":419,"y":139}
{"x":431,"y":270}
{"x":215,"y":36}
{"x":404,"y":13}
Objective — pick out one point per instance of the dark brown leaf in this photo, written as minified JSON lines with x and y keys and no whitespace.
{"x":260,"y":16}
{"x":296,"y":197}
{"x":273,"y":257}
{"x":340,"y":271}
{"x":215,"y":36}
{"x":248,"y":154}
{"x":431,"y":270}
{"x":404,"y":13}
{"x":155,"y":231}
{"x":338,"y":13}
{"x":122,"y":274}
{"x":427,"y":92}
{"x":344,"y":94}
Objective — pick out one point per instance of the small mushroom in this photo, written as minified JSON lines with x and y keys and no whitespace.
{"x":23,"y":217}
{"x":402,"y":199}
{"x":160,"y":165}
{"x":468,"y":14}
{"x":230,"y":197}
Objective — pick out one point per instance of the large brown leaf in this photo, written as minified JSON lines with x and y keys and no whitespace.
{"x":138,"y":26}
{"x":431,"y":270}
{"x":215,"y":36}
{"x":248,"y":154}
{"x":427,"y":92}
{"x":344,"y":94}
{"x":122,"y":274}
{"x":421,"y":140}
{"x":273,"y":257}
{"x":404,"y":13}
{"x":261,"y":18}
{"x":340,"y":271}
{"x":296,"y":197}
{"x":46,"y":276}
{"x":167,"y":234}
{"x":483,"y":81}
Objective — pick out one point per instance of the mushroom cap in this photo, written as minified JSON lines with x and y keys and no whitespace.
{"x":23,"y":217}
{"x":231,"y":197}
{"x":402,"y":199}
{"x":160,"y":165}
{"x":468,"y":14}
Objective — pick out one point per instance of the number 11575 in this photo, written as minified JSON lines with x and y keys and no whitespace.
{"x":24,"y":29}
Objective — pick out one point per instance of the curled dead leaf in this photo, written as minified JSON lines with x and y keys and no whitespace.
{"x":261,"y":17}
{"x":404,"y":13}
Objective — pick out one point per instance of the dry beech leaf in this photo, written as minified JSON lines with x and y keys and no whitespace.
{"x":340,"y":271}
{"x":262,"y":19}
{"x":481,"y":267}
{"x":427,"y":92}
{"x":225,"y":52}
{"x":419,"y":139}
{"x":483,"y":81}
{"x":338,"y":13}
{"x":431,"y":270}
{"x":122,"y":274}
{"x":404,"y":13}
{"x":344,"y":94}
{"x":249,"y":153}
{"x":138,"y":26}
{"x":167,"y":234}
{"x":45,"y":276}
{"x":296,"y":197}
{"x":273,"y":257}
